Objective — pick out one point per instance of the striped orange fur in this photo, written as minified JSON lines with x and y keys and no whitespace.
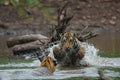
{"x":69,"y":50}
{"x":49,"y":63}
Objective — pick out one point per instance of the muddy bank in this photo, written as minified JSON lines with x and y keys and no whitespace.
{"x":15,"y":29}
{"x":94,"y":13}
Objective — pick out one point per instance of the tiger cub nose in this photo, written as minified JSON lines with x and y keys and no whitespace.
{"x":67,"y":49}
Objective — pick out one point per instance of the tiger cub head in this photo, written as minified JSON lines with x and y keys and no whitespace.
{"x":50,"y":63}
{"x":69,"y":41}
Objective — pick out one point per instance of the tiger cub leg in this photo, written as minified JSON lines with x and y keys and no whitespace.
{"x":58,"y":54}
{"x":81,"y":53}
{"x":80,"y":56}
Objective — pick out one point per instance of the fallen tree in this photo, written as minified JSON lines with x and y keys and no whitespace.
{"x":26,"y":38}
{"x":27,"y":46}
{"x":26,"y":43}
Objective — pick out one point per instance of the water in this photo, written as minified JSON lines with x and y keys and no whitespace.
{"x":91,"y":57}
{"x":107,"y":42}
{"x":28,"y":74}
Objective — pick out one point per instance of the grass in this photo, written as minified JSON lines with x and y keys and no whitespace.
{"x":13,"y":59}
{"x":4,"y":68}
{"x":111,"y":68}
{"x":113,"y":54}
{"x":5,"y":59}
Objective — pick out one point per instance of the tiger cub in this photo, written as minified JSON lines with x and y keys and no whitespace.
{"x":47,"y":67}
{"x":50,"y":63}
{"x":69,"y":52}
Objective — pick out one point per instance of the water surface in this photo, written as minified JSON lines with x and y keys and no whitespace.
{"x":91,"y":57}
{"x":106,"y":43}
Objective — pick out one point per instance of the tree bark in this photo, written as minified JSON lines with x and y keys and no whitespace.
{"x":25,"y":39}
{"x":27,"y":46}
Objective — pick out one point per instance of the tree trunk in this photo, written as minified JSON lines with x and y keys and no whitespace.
{"x":26,"y":38}
{"x":27,"y":46}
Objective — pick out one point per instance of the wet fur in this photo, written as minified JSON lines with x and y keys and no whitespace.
{"x":69,"y":52}
{"x":49,"y":63}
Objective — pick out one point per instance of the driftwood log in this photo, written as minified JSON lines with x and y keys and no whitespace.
{"x":27,"y":46}
{"x":27,"y":43}
{"x":26,"y":38}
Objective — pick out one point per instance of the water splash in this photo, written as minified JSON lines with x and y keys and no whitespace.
{"x":91,"y":57}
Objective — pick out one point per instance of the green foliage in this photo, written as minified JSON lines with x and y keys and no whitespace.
{"x":34,"y":3}
{"x":46,"y":12}
{"x":20,"y":5}
{"x":24,"y":3}
{"x":21,"y":12}
{"x":3,"y":1}
{"x":15,"y":3}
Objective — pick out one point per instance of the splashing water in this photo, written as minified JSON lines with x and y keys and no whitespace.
{"x":91,"y":57}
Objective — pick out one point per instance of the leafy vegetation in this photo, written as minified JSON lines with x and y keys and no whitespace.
{"x":21,"y":5}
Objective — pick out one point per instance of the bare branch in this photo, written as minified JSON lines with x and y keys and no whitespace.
{"x":62,"y":22}
{"x":85,"y":27}
{"x":87,"y":36}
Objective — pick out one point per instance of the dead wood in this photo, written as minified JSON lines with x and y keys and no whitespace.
{"x":62,"y":23}
{"x":27,"y":46}
{"x":30,"y":47}
{"x":25,"y":39}
{"x":87,"y":36}
{"x":102,"y":76}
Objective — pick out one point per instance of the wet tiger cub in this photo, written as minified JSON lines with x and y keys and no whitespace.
{"x":47,"y":66}
{"x":69,"y":52}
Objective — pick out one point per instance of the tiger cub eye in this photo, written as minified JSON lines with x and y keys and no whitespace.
{"x":70,"y":39}
{"x":64,"y":39}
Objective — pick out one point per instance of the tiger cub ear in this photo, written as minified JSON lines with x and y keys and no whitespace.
{"x":61,"y":35}
{"x":74,"y":34}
